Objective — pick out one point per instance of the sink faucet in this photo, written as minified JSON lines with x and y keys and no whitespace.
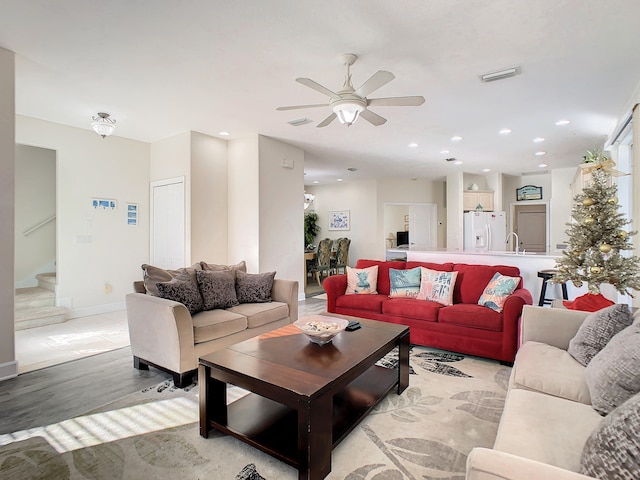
{"x":517,"y":243}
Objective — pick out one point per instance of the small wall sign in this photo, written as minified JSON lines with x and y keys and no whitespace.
{"x":528,"y":192}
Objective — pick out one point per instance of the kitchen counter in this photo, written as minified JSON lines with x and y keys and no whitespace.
{"x":529,"y":264}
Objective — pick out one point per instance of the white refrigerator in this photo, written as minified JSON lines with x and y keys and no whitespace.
{"x":485,"y":231}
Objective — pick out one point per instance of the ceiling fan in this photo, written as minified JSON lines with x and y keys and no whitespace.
{"x":348,"y":103}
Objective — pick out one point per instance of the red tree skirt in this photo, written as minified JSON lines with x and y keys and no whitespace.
{"x":588,"y":302}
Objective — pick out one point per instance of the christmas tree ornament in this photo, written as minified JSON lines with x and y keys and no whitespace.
{"x":605,"y":248}
{"x":622,"y":234}
{"x":612,"y":200}
{"x":588,"y":220}
{"x":587,"y":202}
{"x":595,"y":269}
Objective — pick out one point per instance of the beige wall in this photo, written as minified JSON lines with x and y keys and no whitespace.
{"x":8,"y":365}
{"x":95,"y":246}
{"x":35,"y":202}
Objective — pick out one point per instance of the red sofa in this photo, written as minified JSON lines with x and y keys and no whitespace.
{"x":464,"y":327}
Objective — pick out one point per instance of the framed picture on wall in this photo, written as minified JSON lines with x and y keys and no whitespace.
{"x":339,"y":220}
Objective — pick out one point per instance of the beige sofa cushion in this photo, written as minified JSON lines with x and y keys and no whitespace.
{"x":212,"y":324}
{"x":259,"y":314}
{"x":542,"y":368}
{"x":545,"y":428}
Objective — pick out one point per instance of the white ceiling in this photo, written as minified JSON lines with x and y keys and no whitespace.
{"x":162,"y":67}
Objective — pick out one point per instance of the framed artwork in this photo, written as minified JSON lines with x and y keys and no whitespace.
{"x":339,"y":220}
{"x":528,"y":192}
{"x":132,"y":214}
{"x":406,"y":219}
{"x":406,"y":227}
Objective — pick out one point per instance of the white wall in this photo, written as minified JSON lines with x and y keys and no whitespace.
{"x":455,"y":234}
{"x":95,"y":246}
{"x":8,"y":364}
{"x":209,"y":201}
{"x":560,"y":203}
{"x":35,"y":197}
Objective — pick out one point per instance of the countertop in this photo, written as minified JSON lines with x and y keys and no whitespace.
{"x":417,"y":249}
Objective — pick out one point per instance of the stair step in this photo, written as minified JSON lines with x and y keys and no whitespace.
{"x":47,"y":281}
{"x":34,"y":297}
{"x":38,"y":317}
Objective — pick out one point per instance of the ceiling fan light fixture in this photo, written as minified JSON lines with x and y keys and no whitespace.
{"x":347,"y":111}
{"x":103,"y":125}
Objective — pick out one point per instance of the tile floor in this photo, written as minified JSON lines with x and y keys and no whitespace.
{"x":42,"y":347}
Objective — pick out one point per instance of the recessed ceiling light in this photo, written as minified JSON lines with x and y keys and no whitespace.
{"x":338,"y":179}
{"x":413,"y":145}
{"x":505,"y":131}
{"x":563,"y":122}
{"x":316,"y":181}
{"x":224,"y":134}
{"x":540,"y":153}
{"x":444,"y":152}
{"x":543,"y":165}
{"x":456,"y":138}
{"x":486,"y":170}
{"x":539,"y":139}
{"x":458,"y":162}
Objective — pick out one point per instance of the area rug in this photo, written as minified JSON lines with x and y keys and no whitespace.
{"x":453,"y":404}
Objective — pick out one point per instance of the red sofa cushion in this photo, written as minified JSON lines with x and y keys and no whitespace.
{"x":369,"y":302}
{"x":384,"y":286}
{"x":474,"y":316}
{"x":472,"y":280}
{"x":441,"y":267}
{"x":412,"y":308}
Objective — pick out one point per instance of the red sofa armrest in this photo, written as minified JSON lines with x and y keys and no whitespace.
{"x":335,"y":286}
{"x":512,"y":311}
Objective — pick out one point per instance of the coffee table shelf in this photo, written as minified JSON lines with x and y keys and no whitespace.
{"x":272,"y":427}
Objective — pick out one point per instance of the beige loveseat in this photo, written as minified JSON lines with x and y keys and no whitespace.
{"x":165,"y":335}
{"x":548,"y":415}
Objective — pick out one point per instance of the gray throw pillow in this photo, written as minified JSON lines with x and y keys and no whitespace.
{"x":614,"y":374}
{"x":596,"y":331}
{"x":182,"y":289}
{"x":254,"y":288}
{"x":152,"y":275}
{"x":242,"y":266}
{"x":613,"y":449}
{"x":218,"y":289}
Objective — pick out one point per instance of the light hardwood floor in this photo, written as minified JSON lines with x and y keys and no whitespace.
{"x":66,"y":390}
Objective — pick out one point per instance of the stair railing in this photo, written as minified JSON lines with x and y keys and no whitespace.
{"x":38,"y":225}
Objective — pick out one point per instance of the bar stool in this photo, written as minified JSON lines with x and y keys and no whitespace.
{"x":546,"y":275}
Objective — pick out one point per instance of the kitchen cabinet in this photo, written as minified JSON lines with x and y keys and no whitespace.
{"x":472,"y":198}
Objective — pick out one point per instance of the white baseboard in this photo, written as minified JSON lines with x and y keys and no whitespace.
{"x":8,"y":370}
{"x":96,"y":310}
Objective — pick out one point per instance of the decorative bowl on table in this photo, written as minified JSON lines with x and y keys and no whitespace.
{"x":320,"y":329}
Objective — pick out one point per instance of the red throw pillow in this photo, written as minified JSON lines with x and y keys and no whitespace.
{"x":589,"y":302}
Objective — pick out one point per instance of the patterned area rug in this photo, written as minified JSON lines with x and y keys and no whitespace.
{"x":453,"y":404}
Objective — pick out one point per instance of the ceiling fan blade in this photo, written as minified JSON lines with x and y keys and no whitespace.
{"x":327,"y":121}
{"x":297,"y":107}
{"x":396,"y":101}
{"x":372,"y":118}
{"x":377,"y":80}
{"x":317,"y":87}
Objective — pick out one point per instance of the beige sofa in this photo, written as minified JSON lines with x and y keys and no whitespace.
{"x":548,"y":416}
{"x":165,"y":335}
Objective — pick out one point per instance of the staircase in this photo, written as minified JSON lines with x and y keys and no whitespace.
{"x":35,"y":306}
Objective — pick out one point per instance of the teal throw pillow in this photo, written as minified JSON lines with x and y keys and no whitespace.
{"x":404,"y":283}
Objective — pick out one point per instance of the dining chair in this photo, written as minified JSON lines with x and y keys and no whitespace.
{"x":341,"y":259}
{"x":323,"y":259}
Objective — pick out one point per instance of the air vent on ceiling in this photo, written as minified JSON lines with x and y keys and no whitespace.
{"x":299,"y":121}
{"x":452,"y":159}
{"x":500,"y":74}
{"x":352,"y":169}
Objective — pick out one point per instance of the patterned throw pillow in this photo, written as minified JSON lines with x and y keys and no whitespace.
{"x":218,"y":289}
{"x":613,"y":376}
{"x":497,"y":291}
{"x":404,"y":283}
{"x":613,"y":449}
{"x":596,"y":331}
{"x":437,"y":286}
{"x":182,"y":289}
{"x":254,"y":287}
{"x":362,"y":280}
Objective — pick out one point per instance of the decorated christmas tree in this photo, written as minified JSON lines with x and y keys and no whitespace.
{"x":597,"y":236}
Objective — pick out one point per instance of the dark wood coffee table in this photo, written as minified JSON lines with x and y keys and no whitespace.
{"x":306,"y":398}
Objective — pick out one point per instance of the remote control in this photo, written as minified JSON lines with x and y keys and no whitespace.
{"x":353,"y":325}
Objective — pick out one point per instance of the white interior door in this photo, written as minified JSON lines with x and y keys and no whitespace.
{"x":423,"y":226}
{"x":168,"y":223}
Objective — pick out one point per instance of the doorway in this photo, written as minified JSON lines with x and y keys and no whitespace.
{"x":531,"y":222}
{"x":168,"y":223}
{"x":419,"y":220}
